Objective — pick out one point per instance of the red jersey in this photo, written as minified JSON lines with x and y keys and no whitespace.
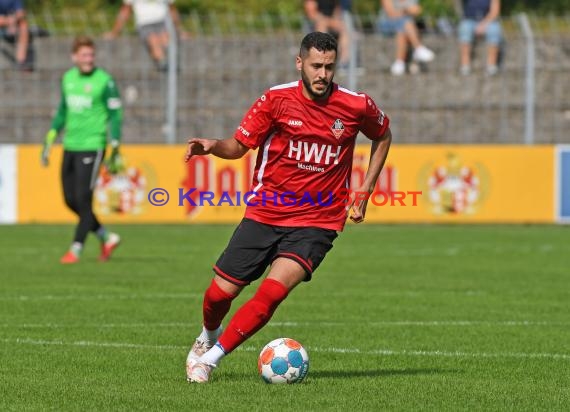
{"x":305,"y":153}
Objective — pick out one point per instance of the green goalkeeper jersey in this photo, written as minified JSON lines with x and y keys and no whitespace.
{"x":90,"y":107}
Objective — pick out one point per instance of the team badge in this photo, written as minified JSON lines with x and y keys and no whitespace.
{"x":337,"y":128}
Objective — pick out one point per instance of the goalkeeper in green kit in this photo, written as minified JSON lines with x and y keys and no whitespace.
{"x":90,"y":108}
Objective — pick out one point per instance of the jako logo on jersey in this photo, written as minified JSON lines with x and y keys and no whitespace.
{"x":243,"y":131}
{"x":314,"y":152}
{"x":337,"y":128}
{"x":296,"y":123}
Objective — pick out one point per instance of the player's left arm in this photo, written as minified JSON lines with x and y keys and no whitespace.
{"x":112,"y":101}
{"x":378,"y":155}
{"x":376,"y":126}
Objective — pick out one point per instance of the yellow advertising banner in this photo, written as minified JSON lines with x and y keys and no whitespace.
{"x":155,"y":172}
{"x":420,"y":183}
{"x":465,"y":183}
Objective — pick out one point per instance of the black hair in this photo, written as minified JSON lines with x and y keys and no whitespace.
{"x":320,"y":41}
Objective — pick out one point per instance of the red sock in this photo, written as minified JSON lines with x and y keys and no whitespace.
{"x":216,"y":305}
{"x":254,"y":314}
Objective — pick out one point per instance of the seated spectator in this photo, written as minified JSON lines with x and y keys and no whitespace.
{"x":327,"y":16}
{"x":480,"y":17}
{"x":398,"y":17}
{"x":150,"y":20}
{"x":14,"y":29}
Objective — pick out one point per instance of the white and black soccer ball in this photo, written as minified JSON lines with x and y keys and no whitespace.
{"x":283,"y":360}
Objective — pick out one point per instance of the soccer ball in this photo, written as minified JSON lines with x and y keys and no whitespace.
{"x":283,"y":360}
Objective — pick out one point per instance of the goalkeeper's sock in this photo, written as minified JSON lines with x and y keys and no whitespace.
{"x":216,"y":305}
{"x":102,"y":234}
{"x":254,"y":314}
{"x":76,"y":248}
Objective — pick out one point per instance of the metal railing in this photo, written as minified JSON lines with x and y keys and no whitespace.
{"x":231,"y":59}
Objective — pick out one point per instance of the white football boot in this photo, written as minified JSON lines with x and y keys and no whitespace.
{"x":200,"y":347}
{"x":200,"y":372}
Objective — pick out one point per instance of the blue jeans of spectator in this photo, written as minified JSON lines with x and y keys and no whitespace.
{"x":493,"y":33}
{"x":389,"y":27}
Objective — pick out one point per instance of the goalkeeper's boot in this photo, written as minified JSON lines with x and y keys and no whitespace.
{"x":109,"y":246}
{"x":200,"y":347}
{"x":200,"y":372}
{"x":69,"y":258}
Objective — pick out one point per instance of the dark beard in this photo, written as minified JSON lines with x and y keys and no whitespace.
{"x":309,"y":88}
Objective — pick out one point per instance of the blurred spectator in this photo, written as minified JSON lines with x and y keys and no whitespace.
{"x":398,"y":17}
{"x":480,"y":17}
{"x":327,"y":16}
{"x":14,"y":30}
{"x":150,"y":20}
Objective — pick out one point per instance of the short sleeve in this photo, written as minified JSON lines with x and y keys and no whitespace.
{"x":256,"y":124}
{"x":374,"y":122}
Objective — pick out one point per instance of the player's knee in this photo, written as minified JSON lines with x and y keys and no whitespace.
{"x":70,"y":202}
{"x":216,"y":294}
{"x":270,"y":294}
{"x":84,"y":199}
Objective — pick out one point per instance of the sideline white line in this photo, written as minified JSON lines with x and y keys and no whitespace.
{"x":385,"y":352}
{"x":456,"y":354}
{"x":42,"y":342}
{"x":27,"y":298}
{"x":100,"y":325}
{"x":459,"y":323}
{"x":429,"y":323}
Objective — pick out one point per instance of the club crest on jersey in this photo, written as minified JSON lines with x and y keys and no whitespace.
{"x":337,"y":128}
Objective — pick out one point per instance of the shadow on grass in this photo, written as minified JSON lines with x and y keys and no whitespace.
{"x":379,"y":372}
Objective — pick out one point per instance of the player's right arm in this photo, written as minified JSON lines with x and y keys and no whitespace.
{"x":226,"y":149}
{"x":252,"y":131}
{"x":58,"y":122}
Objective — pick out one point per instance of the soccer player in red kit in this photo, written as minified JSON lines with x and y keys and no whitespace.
{"x":305,"y":132}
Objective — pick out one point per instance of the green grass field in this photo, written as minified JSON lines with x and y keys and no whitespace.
{"x":396,"y":318}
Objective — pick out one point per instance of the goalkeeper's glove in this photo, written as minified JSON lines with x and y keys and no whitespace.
{"x":115,"y":163}
{"x":48,"y":141}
